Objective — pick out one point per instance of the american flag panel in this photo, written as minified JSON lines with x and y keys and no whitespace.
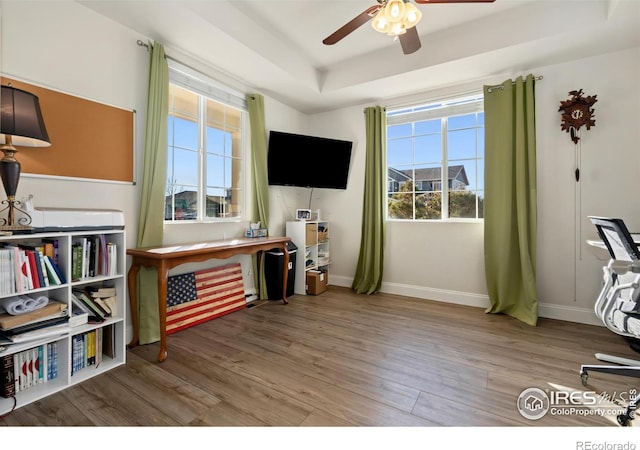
{"x":193,"y":298}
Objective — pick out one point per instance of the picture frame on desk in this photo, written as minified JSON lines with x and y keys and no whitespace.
{"x":303,"y":214}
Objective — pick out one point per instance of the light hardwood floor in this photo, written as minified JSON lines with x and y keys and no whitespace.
{"x":341,"y":359}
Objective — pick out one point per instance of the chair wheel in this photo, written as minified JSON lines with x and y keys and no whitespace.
{"x":624,"y":419}
{"x":584,"y":377}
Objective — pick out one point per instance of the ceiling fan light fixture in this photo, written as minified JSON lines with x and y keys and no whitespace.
{"x":412,"y":15}
{"x":397,"y":29}
{"x":380,"y":22}
{"x":394,"y":10}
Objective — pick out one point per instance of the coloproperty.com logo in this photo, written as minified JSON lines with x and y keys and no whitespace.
{"x":534,"y":403}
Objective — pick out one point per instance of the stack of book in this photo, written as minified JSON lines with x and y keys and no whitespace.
{"x":99,"y":302}
{"x":88,"y":349}
{"x":93,"y":256}
{"x":49,"y":320}
{"x":29,"y":368}
{"x":28,"y":267}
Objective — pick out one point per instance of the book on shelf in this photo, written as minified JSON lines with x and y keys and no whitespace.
{"x":83,"y":350}
{"x":58,"y":271}
{"x":50,"y":273}
{"x":24,"y":272}
{"x":108,"y":341}
{"x":101,"y":291}
{"x":32,"y":367}
{"x":52,"y":248}
{"x":51,"y":329}
{"x":47,"y":248}
{"x":36,"y":325}
{"x":33,"y":269}
{"x":93,"y":256}
{"x":76,"y":261}
{"x":8,"y":376}
{"x":44,"y":278}
{"x":51,"y":309}
{"x":78,"y":316}
{"x":105,"y":297}
{"x":52,"y":360}
{"x":85,"y":302}
{"x":109,"y":304}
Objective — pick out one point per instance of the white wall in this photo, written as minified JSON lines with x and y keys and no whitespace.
{"x":445,"y":261}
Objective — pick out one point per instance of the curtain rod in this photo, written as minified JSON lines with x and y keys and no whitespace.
{"x":501,"y":87}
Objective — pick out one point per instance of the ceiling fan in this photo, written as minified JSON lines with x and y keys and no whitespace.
{"x":392,"y":17}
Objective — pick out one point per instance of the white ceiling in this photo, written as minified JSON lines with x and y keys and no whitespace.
{"x":275,"y":46}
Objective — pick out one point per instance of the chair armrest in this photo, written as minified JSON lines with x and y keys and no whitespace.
{"x":621,"y":267}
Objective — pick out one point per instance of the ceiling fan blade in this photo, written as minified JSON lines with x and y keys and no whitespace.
{"x":352,"y":25}
{"x":410,"y":41}
{"x":426,"y":2}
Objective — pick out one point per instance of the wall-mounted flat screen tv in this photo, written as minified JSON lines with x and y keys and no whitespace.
{"x":308,"y":161}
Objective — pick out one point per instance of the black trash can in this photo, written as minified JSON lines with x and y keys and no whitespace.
{"x":274,"y":271}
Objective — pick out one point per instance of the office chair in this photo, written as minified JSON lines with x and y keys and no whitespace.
{"x":618,"y":304}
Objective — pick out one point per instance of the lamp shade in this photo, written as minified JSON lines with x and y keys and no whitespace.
{"x":21,"y":119}
{"x":411,"y":15}
{"x":380,"y":22}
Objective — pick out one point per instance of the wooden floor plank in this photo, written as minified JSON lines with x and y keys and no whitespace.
{"x":344,"y":360}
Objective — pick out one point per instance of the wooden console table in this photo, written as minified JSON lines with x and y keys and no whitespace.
{"x":166,"y":257}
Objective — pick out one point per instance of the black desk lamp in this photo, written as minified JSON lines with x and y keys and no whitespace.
{"x":20,"y":124}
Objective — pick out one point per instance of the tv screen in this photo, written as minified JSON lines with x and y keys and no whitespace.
{"x":307,"y":161}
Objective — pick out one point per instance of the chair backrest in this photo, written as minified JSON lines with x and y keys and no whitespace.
{"x":617,"y":238}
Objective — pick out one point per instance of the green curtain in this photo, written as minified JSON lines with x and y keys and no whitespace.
{"x":260,"y":200}
{"x":152,"y":192}
{"x":368,"y":277}
{"x":510,"y":222}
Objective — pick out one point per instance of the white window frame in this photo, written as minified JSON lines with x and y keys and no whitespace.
{"x":423,"y":111}
{"x":207,"y":88}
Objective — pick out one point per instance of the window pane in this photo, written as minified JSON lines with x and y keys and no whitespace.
{"x":396,"y":131}
{"x":218,"y":171}
{"x":461,"y":144}
{"x":428,"y":148}
{"x":185,"y":134}
{"x":400,"y":151}
{"x":185,"y":167}
{"x":183,"y":103}
{"x":462,"y":175}
{"x":401,"y":206}
{"x":462,"y":204}
{"x":428,"y":178}
{"x":215,"y":141}
{"x":466,"y":121}
{"x":429,"y":206}
{"x":182,"y":203}
{"x":428,"y":126}
{"x":222,"y":203}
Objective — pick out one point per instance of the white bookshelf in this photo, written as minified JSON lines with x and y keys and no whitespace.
{"x":312,"y":240}
{"x":65,"y":377}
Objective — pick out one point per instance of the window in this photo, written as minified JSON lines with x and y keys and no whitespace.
{"x":205,"y":160}
{"x":435,"y":160}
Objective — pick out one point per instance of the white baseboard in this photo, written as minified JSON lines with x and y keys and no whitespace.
{"x":545,"y":310}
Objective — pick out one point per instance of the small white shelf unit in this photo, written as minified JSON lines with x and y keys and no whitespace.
{"x":312,"y":240}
